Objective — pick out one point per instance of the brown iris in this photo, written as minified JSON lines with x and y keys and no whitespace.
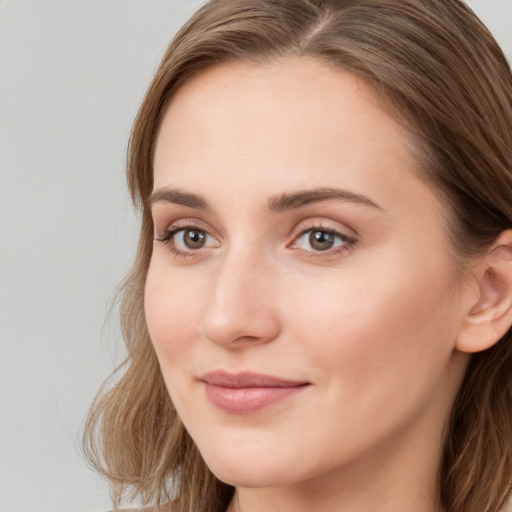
{"x":321,"y":240}
{"x":194,"y":238}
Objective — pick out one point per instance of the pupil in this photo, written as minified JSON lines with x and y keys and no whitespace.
{"x":321,"y":240}
{"x":194,"y":239}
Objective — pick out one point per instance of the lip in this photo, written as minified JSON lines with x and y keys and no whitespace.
{"x":246,"y":392}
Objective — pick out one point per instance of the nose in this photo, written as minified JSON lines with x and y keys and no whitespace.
{"x":241,"y":307}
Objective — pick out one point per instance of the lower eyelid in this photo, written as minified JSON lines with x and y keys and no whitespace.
{"x":347,"y":243}
{"x":179,"y":249}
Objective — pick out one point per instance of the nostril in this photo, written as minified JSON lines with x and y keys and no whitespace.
{"x":230,"y":328}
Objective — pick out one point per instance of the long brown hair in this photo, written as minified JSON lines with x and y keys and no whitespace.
{"x":439,"y":70}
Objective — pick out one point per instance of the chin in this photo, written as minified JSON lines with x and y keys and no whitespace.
{"x":243,"y":470}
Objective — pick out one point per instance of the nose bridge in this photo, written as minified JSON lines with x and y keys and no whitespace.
{"x":240,"y":304}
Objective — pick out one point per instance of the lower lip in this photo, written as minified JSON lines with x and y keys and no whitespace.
{"x":247,"y":400}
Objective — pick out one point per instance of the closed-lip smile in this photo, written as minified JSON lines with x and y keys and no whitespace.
{"x":246,"y":392}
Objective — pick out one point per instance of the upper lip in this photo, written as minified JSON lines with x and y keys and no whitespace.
{"x":248,"y":380}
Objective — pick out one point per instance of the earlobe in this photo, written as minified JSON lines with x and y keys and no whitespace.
{"x":489,"y":317}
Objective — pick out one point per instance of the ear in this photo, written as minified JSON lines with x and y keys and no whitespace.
{"x":488,"y":314}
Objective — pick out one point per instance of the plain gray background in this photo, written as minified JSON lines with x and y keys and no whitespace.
{"x":72,"y":74}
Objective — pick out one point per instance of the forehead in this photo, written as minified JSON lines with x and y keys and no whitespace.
{"x":284,"y":90}
{"x":294,"y":122}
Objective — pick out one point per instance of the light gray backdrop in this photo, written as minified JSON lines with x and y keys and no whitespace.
{"x":72,"y":74}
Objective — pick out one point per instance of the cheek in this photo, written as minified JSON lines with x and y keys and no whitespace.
{"x":375,"y":325}
{"x":172,"y":308}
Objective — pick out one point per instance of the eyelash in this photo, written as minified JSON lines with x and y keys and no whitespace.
{"x":168,"y":239}
{"x":348,"y":242}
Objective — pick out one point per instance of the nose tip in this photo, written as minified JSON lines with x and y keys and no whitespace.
{"x":228,"y":328}
{"x":240,"y":308}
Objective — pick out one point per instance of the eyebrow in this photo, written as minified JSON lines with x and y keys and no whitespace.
{"x":177,"y":196}
{"x":301,"y":198}
{"x":280,"y":203}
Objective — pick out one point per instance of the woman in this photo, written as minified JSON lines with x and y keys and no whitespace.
{"x":319,"y":315}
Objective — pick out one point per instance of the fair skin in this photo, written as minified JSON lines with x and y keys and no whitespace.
{"x":348,"y":290}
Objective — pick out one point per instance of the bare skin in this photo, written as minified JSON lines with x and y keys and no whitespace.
{"x":294,"y":240}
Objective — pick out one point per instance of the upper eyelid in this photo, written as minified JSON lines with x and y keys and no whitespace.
{"x":347,"y":239}
{"x":170,"y":213}
{"x":324,"y":229}
{"x":324,"y":224}
{"x":167,"y":238}
{"x":182,"y":224}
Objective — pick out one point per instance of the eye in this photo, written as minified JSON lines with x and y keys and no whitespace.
{"x":322,"y":240}
{"x":190,"y":238}
{"x":183,"y":241}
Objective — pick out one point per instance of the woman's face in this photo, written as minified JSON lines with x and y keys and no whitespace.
{"x":301,"y":295}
